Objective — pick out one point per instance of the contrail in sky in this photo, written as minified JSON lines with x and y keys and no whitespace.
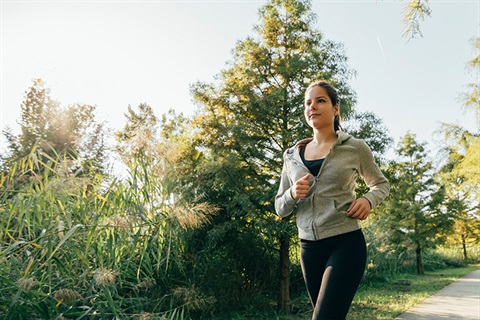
{"x":381,"y":50}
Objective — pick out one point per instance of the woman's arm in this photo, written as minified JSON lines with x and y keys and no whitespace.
{"x":284,"y":202}
{"x":374,"y":178}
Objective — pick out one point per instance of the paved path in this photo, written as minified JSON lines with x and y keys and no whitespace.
{"x":459,"y":300}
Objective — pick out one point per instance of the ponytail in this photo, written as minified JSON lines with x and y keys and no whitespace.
{"x":336,"y":123}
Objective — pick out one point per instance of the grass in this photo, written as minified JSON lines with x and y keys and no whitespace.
{"x":380,"y":300}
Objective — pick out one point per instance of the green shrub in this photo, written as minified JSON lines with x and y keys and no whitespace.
{"x":73,"y":246}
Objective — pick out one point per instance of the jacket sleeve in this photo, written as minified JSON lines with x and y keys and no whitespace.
{"x":374,"y":178}
{"x":284,"y":203}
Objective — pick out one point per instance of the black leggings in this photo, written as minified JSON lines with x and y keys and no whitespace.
{"x":332,"y":269}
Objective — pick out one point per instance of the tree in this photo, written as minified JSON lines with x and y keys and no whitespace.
{"x":165,"y":143}
{"x":55,"y":130}
{"x":461,"y":194}
{"x":471,"y":101}
{"x":415,"y":212}
{"x":367,"y":126}
{"x":414,"y":12}
{"x":471,"y":98}
{"x":139,"y":134}
{"x":466,"y":226}
{"x":254,"y":112}
{"x":460,"y":172}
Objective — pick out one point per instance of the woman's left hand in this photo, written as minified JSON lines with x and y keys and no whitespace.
{"x":359,"y":209}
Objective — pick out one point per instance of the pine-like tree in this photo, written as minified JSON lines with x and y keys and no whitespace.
{"x":415,"y":211}
{"x":254,"y":112}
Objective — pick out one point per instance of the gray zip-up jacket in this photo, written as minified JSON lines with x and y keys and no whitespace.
{"x":323,"y":213}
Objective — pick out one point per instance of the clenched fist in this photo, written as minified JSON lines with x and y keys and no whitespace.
{"x":300,"y":189}
{"x":359,"y":209}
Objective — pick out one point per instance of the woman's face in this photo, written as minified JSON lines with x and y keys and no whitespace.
{"x":319,"y":110}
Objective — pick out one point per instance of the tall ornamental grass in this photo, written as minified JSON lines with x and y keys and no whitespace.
{"x":76,"y":246}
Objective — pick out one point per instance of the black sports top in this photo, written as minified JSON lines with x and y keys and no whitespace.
{"x":312,"y":165}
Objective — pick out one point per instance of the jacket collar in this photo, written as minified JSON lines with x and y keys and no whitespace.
{"x":341,"y":138}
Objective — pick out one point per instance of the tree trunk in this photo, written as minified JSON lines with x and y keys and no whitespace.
{"x":464,"y":245}
{"x":418,"y":252}
{"x":284,"y":292}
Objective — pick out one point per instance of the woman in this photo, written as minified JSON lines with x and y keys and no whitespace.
{"x":318,"y":180}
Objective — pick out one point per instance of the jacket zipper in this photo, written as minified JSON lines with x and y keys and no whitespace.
{"x":315,"y":178}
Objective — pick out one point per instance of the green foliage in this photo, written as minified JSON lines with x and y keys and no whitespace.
{"x":468,"y":166}
{"x":139,"y":133}
{"x":367,"y":126}
{"x":74,"y":247}
{"x":253,"y":112}
{"x":471,"y":101}
{"x":462,"y":191}
{"x":76,"y":243}
{"x":415,"y":212}
{"x":47,"y":126}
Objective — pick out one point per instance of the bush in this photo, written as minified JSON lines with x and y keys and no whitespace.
{"x":72,"y":247}
{"x":456,"y":253}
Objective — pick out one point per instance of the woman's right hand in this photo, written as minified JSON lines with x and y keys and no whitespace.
{"x":300,"y":189}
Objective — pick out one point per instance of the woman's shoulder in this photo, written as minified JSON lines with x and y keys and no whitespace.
{"x":344,"y":137}
{"x":357,"y":143}
{"x":298,"y":144}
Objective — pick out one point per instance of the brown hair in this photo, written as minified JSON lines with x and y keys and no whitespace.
{"x":332,"y":94}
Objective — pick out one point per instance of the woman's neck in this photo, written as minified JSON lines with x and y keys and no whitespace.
{"x":324,"y":136}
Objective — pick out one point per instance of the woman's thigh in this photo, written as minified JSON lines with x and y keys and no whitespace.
{"x":342,"y":275}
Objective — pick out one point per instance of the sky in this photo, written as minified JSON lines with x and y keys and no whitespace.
{"x":115,"y":54}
